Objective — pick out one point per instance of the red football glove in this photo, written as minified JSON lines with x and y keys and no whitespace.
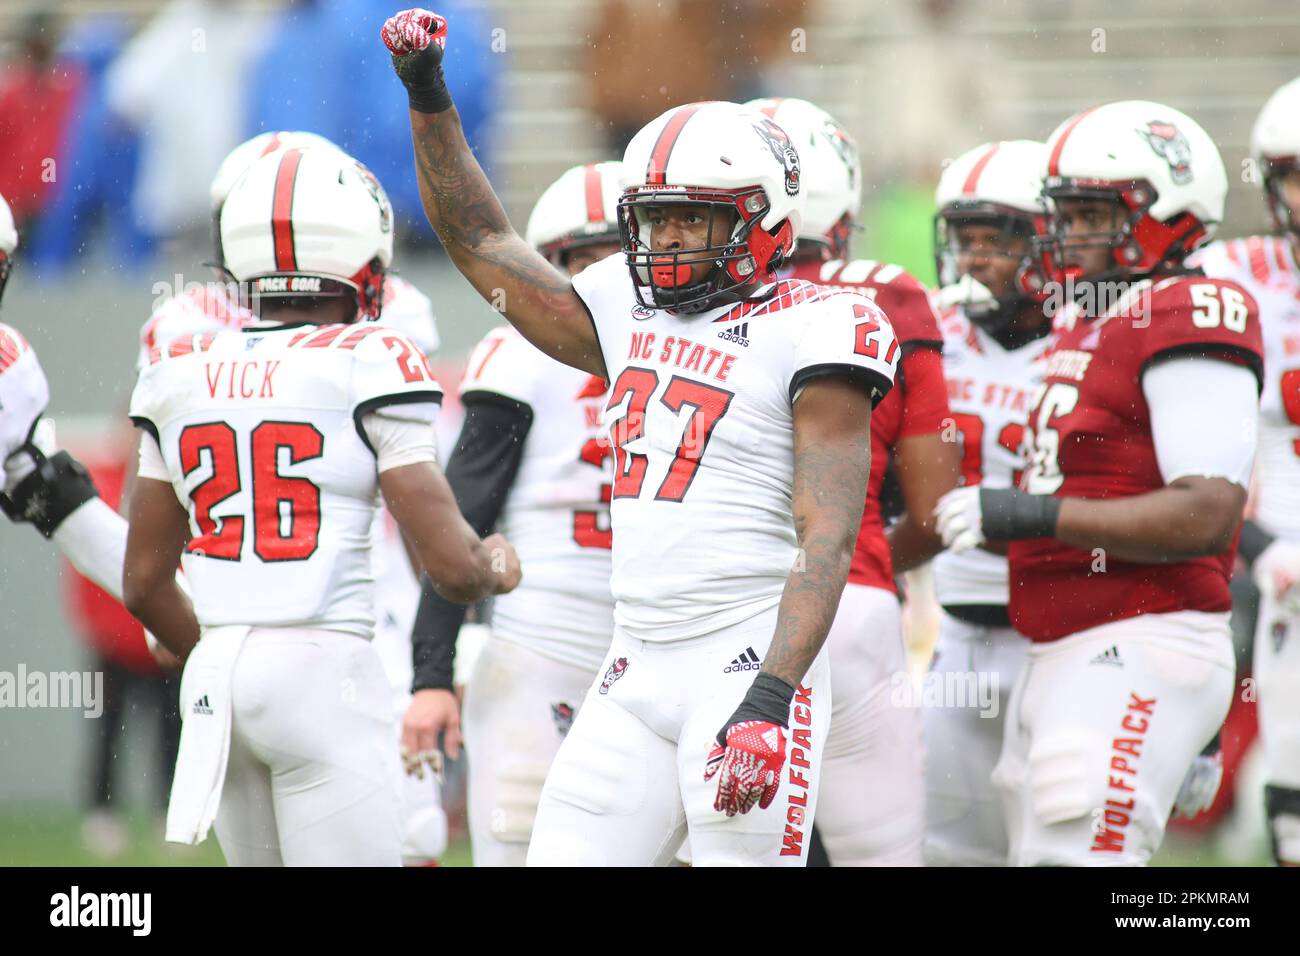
{"x":751,"y":765}
{"x":416,"y":39}
{"x":412,"y":30}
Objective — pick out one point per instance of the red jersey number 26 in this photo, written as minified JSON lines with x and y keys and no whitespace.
{"x":286,"y":510}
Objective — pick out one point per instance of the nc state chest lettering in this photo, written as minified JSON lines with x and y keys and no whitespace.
{"x":678,"y":352}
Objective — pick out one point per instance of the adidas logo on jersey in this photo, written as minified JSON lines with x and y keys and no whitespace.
{"x":1109,"y":656}
{"x":747,"y":661}
{"x":201,"y":706}
{"x":738,"y":334}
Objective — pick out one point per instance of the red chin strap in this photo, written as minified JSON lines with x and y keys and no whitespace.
{"x":667,"y":276}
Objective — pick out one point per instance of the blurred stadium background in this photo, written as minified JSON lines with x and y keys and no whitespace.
{"x":115,"y":113}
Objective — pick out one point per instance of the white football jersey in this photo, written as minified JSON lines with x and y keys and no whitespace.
{"x":1265,"y":267}
{"x":261,"y":433}
{"x":701,"y":414}
{"x":24,"y":392}
{"x":557,"y":512}
{"x":990,"y":393}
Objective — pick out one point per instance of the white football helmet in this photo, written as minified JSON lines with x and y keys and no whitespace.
{"x":308,"y":223}
{"x":713,"y":155}
{"x":578,"y":209}
{"x":999,"y":185}
{"x":1157,"y":162}
{"x":1275,"y":146}
{"x":832,"y":172}
{"x":239,"y":159}
{"x":8,"y":242}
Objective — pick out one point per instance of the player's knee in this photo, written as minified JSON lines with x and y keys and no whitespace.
{"x":1063,"y":783}
{"x":1283,"y":807}
{"x":600,"y":769}
{"x":517,"y":792}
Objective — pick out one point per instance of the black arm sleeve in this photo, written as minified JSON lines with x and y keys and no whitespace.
{"x":481,"y":471}
{"x":1254,"y":542}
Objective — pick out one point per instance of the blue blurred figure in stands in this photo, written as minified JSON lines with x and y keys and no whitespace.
{"x":97,"y":164}
{"x":340,"y":84}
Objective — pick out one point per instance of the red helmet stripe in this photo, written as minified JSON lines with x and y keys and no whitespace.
{"x":1054,"y":161}
{"x":286,"y":258}
{"x":973,"y":178}
{"x":595,"y":195}
{"x":654,"y":174}
{"x":770,"y":111}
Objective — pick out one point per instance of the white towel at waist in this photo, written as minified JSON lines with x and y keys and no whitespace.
{"x":205,"y":736}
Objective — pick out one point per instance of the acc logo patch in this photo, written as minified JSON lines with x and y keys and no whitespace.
{"x":1168,"y":142}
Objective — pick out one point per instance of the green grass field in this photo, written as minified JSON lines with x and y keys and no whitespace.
{"x":40,"y":836}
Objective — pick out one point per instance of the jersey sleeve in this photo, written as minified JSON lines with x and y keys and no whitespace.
{"x":389,"y":372}
{"x":847,"y":335}
{"x":925,"y":393}
{"x":24,"y":391}
{"x":503,"y":364}
{"x":146,"y":408}
{"x":1199,"y":316}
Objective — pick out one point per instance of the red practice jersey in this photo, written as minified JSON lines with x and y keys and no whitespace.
{"x":1089,"y":436}
{"x":918,"y":402}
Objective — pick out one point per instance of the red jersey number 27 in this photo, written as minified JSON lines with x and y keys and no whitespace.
{"x":637,"y":386}
{"x":868,"y":334}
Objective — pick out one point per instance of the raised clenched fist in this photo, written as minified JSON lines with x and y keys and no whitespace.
{"x":413,"y":30}
{"x":416,"y":39}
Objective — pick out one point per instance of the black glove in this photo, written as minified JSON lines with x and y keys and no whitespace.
{"x":59,"y":486}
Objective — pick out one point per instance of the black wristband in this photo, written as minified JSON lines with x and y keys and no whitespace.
{"x":59,"y":486}
{"x":1010,"y":515}
{"x":421,"y":74}
{"x":768,"y":698}
{"x":1254,"y":542}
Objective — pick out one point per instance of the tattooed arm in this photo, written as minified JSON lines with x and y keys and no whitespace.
{"x":832,"y":459}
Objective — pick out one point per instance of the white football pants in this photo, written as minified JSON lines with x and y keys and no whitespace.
{"x":1277,"y":683}
{"x":519,"y":706}
{"x":964,"y":823}
{"x":1101,"y":730}
{"x":312,"y":778}
{"x":870,"y":809}
{"x":628,"y":782}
